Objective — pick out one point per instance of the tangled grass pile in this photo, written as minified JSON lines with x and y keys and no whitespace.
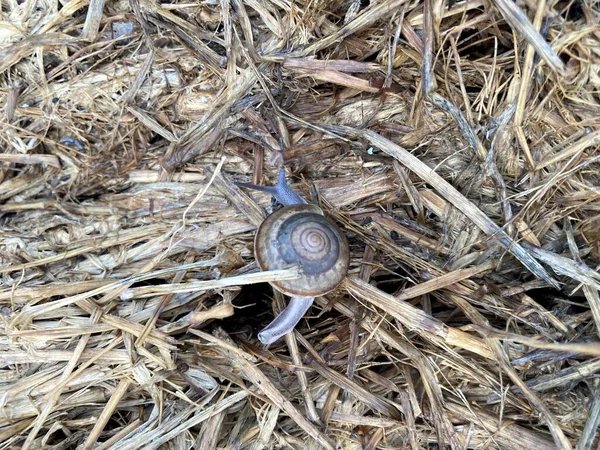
{"x":454,"y":142}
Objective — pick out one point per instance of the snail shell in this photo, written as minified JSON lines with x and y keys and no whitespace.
{"x":302,"y":235}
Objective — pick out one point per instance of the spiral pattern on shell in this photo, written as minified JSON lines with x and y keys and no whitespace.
{"x":301,"y":235}
{"x":310,"y":242}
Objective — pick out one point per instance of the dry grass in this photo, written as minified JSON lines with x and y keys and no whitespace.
{"x":456,"y":143}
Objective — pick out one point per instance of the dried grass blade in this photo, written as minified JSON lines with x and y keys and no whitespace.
{"x":592,"y":349}
{"x":140,"y":77}
{"x":120,"y":435}
{"x":267,"y":426}
{"x":50,"y":290}
{"x":566,"y":266}
{"x":526,"y":76}
{"x":196,"y":318}
{"x":48,"y":356}
{"x":268,"y":19}
{"x":52,"y":399}
{"x":191,"y":148}
{"x":570,"y":375}
{"x":211,"y":432}
{"x":593,"y":298}
{"x":503,"y":361}
{"x":292,"y":344}
{"x":239,"y":198}
{"x":445,"y":429}
{"x":368,"y":421}
{"x":191,"y":36}
{"x":548,"y":416}
{"x":12,"y":54}
{"x":410,"y":419}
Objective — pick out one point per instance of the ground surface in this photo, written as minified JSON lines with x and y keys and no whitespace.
{"x":456,"y":145}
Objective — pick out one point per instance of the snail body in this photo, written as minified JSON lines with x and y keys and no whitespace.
{"x":299,"y":234}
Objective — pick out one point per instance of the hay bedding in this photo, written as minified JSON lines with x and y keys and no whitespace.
{"x":455,"y":143}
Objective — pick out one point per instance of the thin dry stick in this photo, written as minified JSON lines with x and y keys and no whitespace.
{"x":213,"y":176}
{"x":365,"y":274}
{"x":197,"y":286}
{"x":92,"y":20}
{"x":254,"y":213}
{"x":150,"y":324}
{"x":120,"y":435}
{"x":151,"y":123}
{"x":410,"y":420}
{"x":428,"y":84}
{"x":107,"y":413}
{"x":140,"y":78}
{"x":492,"y":170}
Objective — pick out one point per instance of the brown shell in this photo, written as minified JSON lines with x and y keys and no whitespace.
{"x":301,"y":235}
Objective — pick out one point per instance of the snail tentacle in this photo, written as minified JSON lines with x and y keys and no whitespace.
{"x":281,"y":191}
{"x":287,"y":319}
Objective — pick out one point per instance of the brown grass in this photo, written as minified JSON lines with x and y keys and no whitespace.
{"x":456,"y":144}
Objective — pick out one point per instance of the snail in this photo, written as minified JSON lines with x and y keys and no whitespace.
{"x":298,"y":234}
